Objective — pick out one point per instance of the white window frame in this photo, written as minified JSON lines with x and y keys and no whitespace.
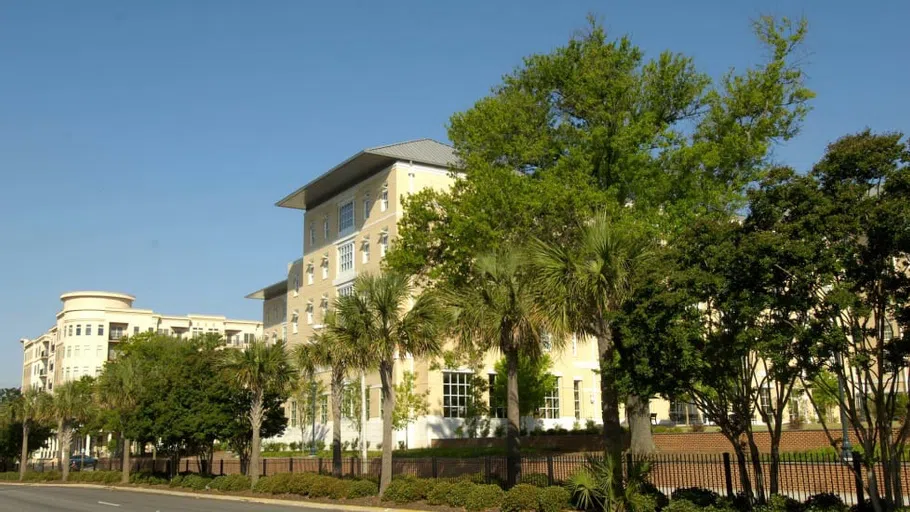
{"x":365,"y":251}
{"x":383,"y":244}
{"x":325,"y":227}
{"x":325,"y":268}
{"x":366,"y":207}
{"x":295,"y":317}
{"x":576,"y":397}
{"x":344,"y":291}
{"x":384,"y":197}
{"x":309,"y":273}
{"x":345,"y":215}
{"x":456,"y":393}
{"x":312,"y":235}
{"x":346,"y":258}
{"x":309,"y":314}
{"x":550,"y":409}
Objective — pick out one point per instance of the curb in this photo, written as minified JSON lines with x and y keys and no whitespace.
{"x":222,"y":497}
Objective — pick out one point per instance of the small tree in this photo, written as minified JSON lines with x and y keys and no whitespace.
{"x":409,"y":404}
{"x":534,"y":379}
{"x":30,"y":409}
{"x":119,"y":388}
{"x":71,"y":405}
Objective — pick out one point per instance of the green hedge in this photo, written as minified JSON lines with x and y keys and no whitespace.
{"x":231,"y":483}
{"x":362,"y":489}
{"x":484,"y":497}
{"x":196,"y":482}
{"x":535,"y":479}
{"x":521,"y":498}
{"x":149,"y":478}
{"x":553,"y":499}
{"x":407,"y":489}
{"x":106,"y":477}
{"x":315,"y":486}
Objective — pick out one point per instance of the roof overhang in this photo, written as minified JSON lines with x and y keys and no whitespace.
{"x":271,"y":291}
{"x":342,"y":176}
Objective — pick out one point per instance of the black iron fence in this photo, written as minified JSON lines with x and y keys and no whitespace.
{"x":800,"y":475}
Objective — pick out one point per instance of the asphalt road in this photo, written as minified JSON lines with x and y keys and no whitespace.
{"x":72,"y":499}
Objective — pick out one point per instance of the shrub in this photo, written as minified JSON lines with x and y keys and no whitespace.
{"x":682,"y":506}
{"x":177,"y":481}
{"x":696,"y":495}
{"x":459,"y":493}
{"x":825,"y":502}
{"x":43,"y":476}
{"x":9,"y":475}
{"x":275,"y":484}
{"x":643,"y":503}
{"x":407,"y":490}
{"x":535,"y":479}
{"x":646,"y":488}
{"x":553,"y":499}
{"x":148,"y":477}
{"x":483,"y":497}
{"x":328,"y":487}
{"x":195,"y":482}
{"x":231,"y":483}
{"x":475,"y":478}
{"x":521,"y":498}
{"x":301,"y":483}
{"x":780,"y":503}
{"x":439,"y":494}
{"x":697,"y":427}
{"x":362,"y":489}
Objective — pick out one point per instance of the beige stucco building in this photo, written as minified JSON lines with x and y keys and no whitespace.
{"x":351,"y":218}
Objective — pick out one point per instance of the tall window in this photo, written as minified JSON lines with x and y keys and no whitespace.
{"x":456,"y":391}
{"x":346,"y":290}
{"x":685,"y":413}
{"x":70,"y":330}
{"x":383,"y":244}
{"x":76,"y":352}
{"x":384,"y":198}
{"x":346,"y":218}
{"x":576,"y":395}
{"x":312,"y":235}
{"x":325,"y":268}
{"x":98,"y":351}
{"x":309,"y":273}
{"x":294,"y":318}
{"x":296,"y":285}
{"x":100,"y":329}
{"x":546,"y":340}
{"x":325,"y":228}
{"x":88,"y":330}
{"x":309,"y":314}
{"x":293,"y":417}
{"x":365,"y":250}
{"x":69,"y":352}
{"x":284,"y":332}
{"x":346,"y":258}
{"x":366,"y":207}
{"x":550,"y":409}
{"x":369,"y":391}
{"x":496,"y":408}
{"x":764,"y":397}
{"x":324,"y":409}
{"x":135,"y":329}
{"x":78,"y":329}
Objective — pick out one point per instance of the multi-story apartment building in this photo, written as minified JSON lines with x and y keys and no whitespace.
{"x":92,"y":323}
{"x":351,"y":218}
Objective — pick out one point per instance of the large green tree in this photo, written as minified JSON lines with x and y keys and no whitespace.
{"x":386,"y":317}
{"x":594,"y":122}
{"x":71,"y":405}
{"x":119,"y":389}
{"x":498,"y":309}
{"x":534,"y":380}
{"x":11,"y":429}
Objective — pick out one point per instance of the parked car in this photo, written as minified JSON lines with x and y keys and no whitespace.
{"x":82,"y":462}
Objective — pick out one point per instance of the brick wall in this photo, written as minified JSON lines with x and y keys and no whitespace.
{"x":689,"y":442}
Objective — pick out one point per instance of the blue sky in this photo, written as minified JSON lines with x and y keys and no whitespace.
{"x":143,"y":144}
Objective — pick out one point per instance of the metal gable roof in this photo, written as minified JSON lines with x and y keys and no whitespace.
{"x":365,"y":163}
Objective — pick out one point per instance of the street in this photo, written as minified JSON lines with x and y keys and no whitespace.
{"x":51,"y":499}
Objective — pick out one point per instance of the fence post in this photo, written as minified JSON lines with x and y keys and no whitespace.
{"x":221,"y":467}
{"x":858,"y":474}
{"x":290,"y":464}
{"x":319,"y":466}
{"x":435,"y":468}
{"x":487,"y":469}
{"x":353,"y":466}
{"x":264,"y":472}
{"x":549,"y":469}
{"x":728,"y":474}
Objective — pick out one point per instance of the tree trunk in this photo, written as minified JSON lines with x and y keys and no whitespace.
{"x":513,"y":416}
{"x":757,"y":468}
{"x":256,"y":424}
{"x":613,"y":441}
{"x":65,"y":441}
{"x":388,"y":407}
{"x":337,"y":392}
{"x":638,"y":412}
{"x":774,"y":471}
{"x":744,"y":481}
{"x":64,"y":467}
{"x":364,"y":414}
{"x":125,"y":478}
{"x":23,"y":455}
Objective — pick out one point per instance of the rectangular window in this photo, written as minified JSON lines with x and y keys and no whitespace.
{"x":312,"y":235}
{"x":346,"y":218}
{"x":86,"y":350}
{"x":70,"y":330}
{"x":296,"y":285}
{"x":135,"y":329}
{"x":346,"y":258}
{"x":293,"y":413}
{"x":284,"y":332}
{"x":325,"y":268}
{"x":324,"y":409}
{"x":325,"y":228}
{"x":85,"y":370}
{"x":309,"y":274}
{"x":546,"y":341}
{"x":368,"y":393}
{"x":69,"y":352}
{"x":77,"y":351}
{"x":97,"y":370}
{"x":294,"y":319}
{"x":366,"y":208}
{"x":67,"y":373}
{"x":365,"y":249}
{"x":116,"y":332}
{"x":309,"y":314}
{"x":685,"y":413}
{"x":98,"y":351}
{"x":383,"y":244}
{"x":384,"y":198}
{"x":764,"y":397}
{"x":100,"y":329}
{"x":78,"y":329}
{"x":75,"y":372}
{"x":88,"y":330}
{"x":550,"y":409}
{"x":576,"y":395}
{"x":456,"y":391}
{"x":496,"y":408}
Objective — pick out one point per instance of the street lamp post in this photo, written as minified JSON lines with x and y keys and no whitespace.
{"x":313,"y":426}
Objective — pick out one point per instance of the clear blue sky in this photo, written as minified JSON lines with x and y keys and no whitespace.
{"x":143,"y":144}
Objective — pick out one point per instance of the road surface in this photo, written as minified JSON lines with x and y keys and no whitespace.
{"x":73,"y":499}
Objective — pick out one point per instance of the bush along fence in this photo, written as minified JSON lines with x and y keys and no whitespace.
{"x":801,"y":475}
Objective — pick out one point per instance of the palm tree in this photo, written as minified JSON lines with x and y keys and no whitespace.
{"x":498,"y":310}
{"x":337,"y":348}
{"x":30,"y":409}
{"x":70,"y":404}
{"x":586,"y":286}
{"x":384,"y":315}
{"x":262,"y":369}
{"x":118,"y":389}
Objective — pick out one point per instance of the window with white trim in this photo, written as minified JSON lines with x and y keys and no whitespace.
{"x":309,"y":314}
{"x":576,"y":396}
{"x":384,"y":198}
{"x":312,"y":235}
{"x":88,"y":329}
{"x":309,"y":273}
{"x":365,"y":251}
{"x":383,"y":244}
{"x":346,"y":218}
{"x":346,"y":258}
{"x":456,"y":392}
{"x":78,"y":329}
{"x":346,"y":290}
{"x":550,"y":409}
{"x":100,"y":329}
{"x":546,"y":341}
{"x":294,"y":318}
{"x":325,"y":268}
{"x":366,"y":207}
{"x":325,"y":227}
